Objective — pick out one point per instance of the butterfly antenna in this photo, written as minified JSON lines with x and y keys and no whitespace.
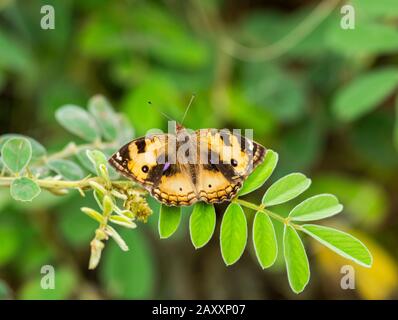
{"x":186,"y":110}
{"x":162,"y":113}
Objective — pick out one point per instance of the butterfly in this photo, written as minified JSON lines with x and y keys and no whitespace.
{"x":184,"y":167}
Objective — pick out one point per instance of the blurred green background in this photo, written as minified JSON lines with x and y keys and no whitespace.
{"x":324,"y":98}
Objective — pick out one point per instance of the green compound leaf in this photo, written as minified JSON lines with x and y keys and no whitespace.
{"x":16,"y":154}
{"x":365,"y":93}
{"x":77,"y":121}
{"x":260,"y":174}
{"x":264,"y":240}
{"x":169,"y":220}
{"x":202,"y":224}
{"x":298,"y":269}
{"x":340,"y":242}
{"x":317,"y":207}
{"x":285,"y":189}
{"x":105,"y":116}
{"x":233,"y":235}
{"x":67,"y":169}
{"x":24,"y":189}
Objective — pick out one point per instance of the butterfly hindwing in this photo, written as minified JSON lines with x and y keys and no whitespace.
{"x":216,"y":183}
{"x":175,"y":187}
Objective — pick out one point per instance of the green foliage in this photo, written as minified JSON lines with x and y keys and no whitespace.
{"x":38,"y":151}
{"x":98,"y":160}
{"x":371,"y":38}
{"x":129,"y":275}
{"x":63,"y":288}
{"x":365,"y":93}
{"x":379,"y":9}
{"x":233,"y":234}
{"x":202,"y":223}
{"x":395,"y":134}
{"x":10,"y":243}
{"x":264,"y":240}
{"x":169,"y":220}
{"x":4,"y":291}
{"x":30,"y":171}
{"x":298,"y":269}
{"x":262,"y":87}
{"x":16,"y":154}
{"x":340,"y":242}
{"x":69,"y":170}
{"x":364,"y":201}
{"x":78,"y":121}
{"x":106,"y":118}
{"x":325,"y":99}
{"x":261,"y":174}
{"x":317,"y":207}
{"x":24,"y":189}
{"x":108,"y":193}
{"x":285,"y":189}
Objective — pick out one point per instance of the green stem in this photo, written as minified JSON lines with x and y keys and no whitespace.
{"x":261,"y":208}
{"x":213,"y":25}
{"x":77,"y":184}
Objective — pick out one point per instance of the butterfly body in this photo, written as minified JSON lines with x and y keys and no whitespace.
{"x":180,"y":169}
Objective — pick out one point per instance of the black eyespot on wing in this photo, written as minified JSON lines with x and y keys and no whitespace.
{"x":145,"y":169}
{"x":234,"y":163}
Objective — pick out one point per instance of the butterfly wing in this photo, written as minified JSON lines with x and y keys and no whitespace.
{"x":224,"y":161}
{"x":149,"y":162}
{"x":175,"y":187}
{"x":227,"y":160}
{"x":138,"y":159}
